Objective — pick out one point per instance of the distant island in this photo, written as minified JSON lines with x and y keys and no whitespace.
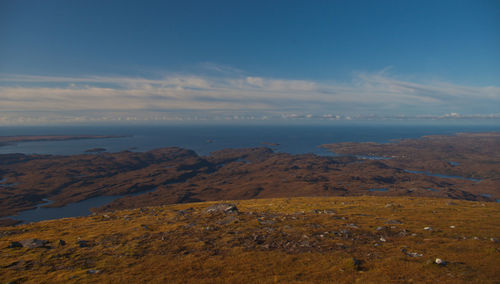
{"x":95,"y":150}
{"x":9,"y":140}
{"x":270,"y":144}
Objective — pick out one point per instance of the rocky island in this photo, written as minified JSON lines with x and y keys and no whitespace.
{"x":8,"y":140}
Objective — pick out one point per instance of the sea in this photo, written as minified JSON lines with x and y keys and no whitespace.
{"x":203,"y":139}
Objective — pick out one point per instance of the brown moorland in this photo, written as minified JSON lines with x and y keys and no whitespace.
{"x":296,"y":240}
{"x":178,"y":176}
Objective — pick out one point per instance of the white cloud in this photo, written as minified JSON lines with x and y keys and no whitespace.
{"x":374,"y":93}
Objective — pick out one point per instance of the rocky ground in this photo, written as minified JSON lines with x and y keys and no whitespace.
{"x":311,"y":240}
{"x":178,"y":175}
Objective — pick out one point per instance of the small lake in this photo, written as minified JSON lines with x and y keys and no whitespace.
{"x":71,"y":210}
{"x":433,"y":189}
{"x":377,"y":189}
{"x":441,"y":176}
{"x":77,"y":209}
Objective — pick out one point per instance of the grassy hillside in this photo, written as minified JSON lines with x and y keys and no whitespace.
{"x":306,"y":240}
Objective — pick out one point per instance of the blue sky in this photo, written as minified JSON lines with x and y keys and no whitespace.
{"x":94,"y":60}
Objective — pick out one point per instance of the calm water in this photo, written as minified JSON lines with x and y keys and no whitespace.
{"x":71,"y":210}
{"x":81,"y":208}
{"x":441,"y":175}
{"x":205,"y":139}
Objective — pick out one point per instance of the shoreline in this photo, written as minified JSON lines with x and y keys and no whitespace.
{"x":180,"y":175}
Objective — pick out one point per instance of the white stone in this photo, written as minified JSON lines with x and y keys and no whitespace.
{"x":439,"y":261}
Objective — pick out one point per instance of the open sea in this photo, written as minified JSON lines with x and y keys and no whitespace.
{"x":295,"y":139}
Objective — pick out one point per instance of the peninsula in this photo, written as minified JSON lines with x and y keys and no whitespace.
{"x":8,"y":140}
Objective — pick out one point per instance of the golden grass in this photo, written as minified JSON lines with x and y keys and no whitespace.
{"x":159,"y":245}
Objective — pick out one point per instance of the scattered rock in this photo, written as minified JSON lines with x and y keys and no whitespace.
{"x":380,"y":228}
{"x":382,"y":239}
{"x":452,"y":227}
{"x":346,"y":233}
{"x":414,"y":254}
{"x":83,"y":243}
{"x":428,"y":228}
{"x":411,"y":254}
{"x":222,"y":208}
{"x":34,"y":243}
{"x":15,"y":245}
{"x":356,"y":263}
{"x":404,"y":233}
{"x":393,"y":206}
{"x":325,"y":211}
{"x":184,"y":212}
{"x":495,"y":240}
{"x":93,"y":271}
{"x":394,"y":222}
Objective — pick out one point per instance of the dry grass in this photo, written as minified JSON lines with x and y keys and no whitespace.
{"x":268,"y":241}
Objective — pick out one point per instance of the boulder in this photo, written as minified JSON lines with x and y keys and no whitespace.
{"x":33,"y":243}
{"x":15,"y":245}
{"x":439,"y":261}
{"x":225,"y":208}
{"x":83,"y":243}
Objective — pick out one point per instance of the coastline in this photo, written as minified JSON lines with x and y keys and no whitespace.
{"x":179,"y":175}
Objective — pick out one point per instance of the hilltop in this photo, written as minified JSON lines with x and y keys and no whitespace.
{"x":308,"y":240}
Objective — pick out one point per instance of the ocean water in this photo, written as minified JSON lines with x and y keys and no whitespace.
{"x":295,"y":139}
